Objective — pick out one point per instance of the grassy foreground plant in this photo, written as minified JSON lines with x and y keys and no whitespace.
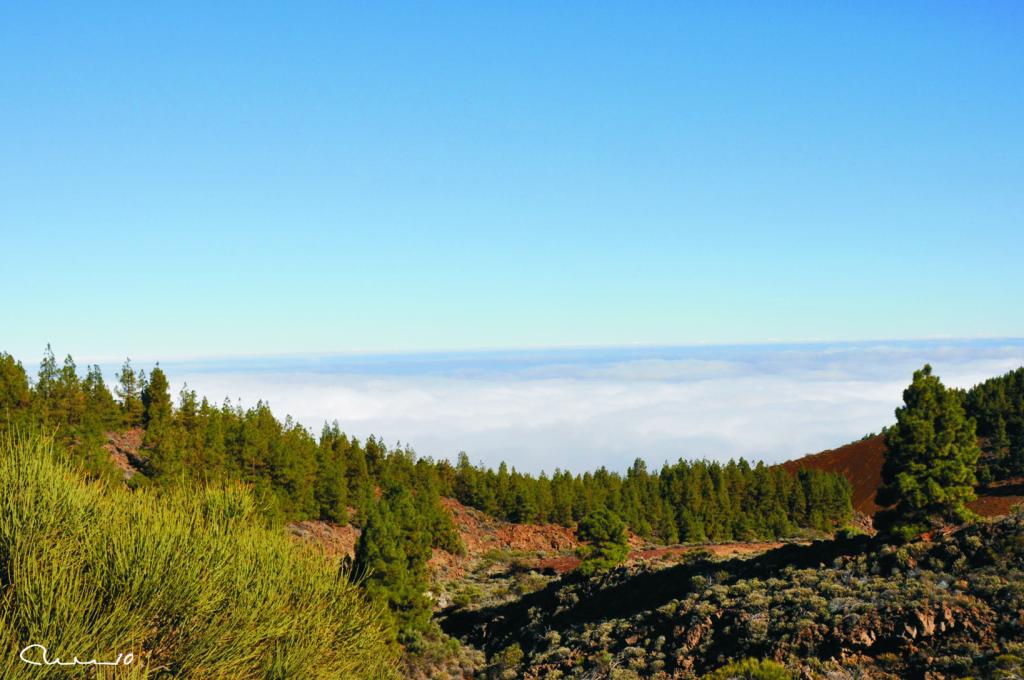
{"x":188,"y":581}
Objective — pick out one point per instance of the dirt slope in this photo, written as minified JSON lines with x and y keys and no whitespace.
{"x":124,"y":450}
{"x":332,"y":539}
{"x":480,"y":533}
{"x":861,"y":463}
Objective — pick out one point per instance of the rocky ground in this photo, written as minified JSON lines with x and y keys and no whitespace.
{"x":124,"y":450}
{"x":952,"y":607}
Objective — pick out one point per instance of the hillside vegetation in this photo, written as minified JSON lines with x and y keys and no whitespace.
{"x":391,"y":494}
{"x":191,"y":583}
{"x":851,"y":608}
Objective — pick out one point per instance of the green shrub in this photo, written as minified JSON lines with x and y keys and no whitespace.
{"x":850,"y":532}
{"x":504,"y":664}
{"x":1007,"y":667}
{"x":188,"y":581}
{"x":751,"y":669}
{"x":603,"y":535}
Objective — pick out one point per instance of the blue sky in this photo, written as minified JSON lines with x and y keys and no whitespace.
{"x":220,"y":179}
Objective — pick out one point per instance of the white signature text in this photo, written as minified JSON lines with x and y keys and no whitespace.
{"x":122,"y":659}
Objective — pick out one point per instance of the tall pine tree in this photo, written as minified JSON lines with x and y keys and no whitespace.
{"x":129,"y":391}
{"x":391,"y":556}
{"x":928,"y":475}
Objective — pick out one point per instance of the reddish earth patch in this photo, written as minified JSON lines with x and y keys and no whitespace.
{"x":997,"y":499}
{"x":445,"y":565}
{"x":481,"y":533}
{"x":124,"y":450}
{"x":559,"y":565}
{"x":861,"y":463}
{"x":332,"y":539}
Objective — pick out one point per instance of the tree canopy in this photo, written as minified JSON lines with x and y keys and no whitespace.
{"x":932,"y":451}
{"x":603,"y":537}
{"x":997,"y":405}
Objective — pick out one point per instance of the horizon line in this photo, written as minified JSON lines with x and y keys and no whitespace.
{"x":499,"y":349}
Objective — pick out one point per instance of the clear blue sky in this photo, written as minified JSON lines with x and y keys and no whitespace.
{"x":212,"y":178}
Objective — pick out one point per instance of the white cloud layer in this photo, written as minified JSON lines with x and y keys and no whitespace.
{"x":579,"y":409}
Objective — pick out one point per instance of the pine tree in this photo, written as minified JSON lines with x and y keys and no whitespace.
{"x":330,"y":489}
{"x":1015,"y":459}
{"x":434,"y":518}
{"x":929,"y":470}
{"x":45,"y":392}
{"x":1000,"y":444}
{"x":15,"y":395}
{"x":563,"y":498}
{"x":130,"y":393}
{"x":163,"y":448}
{"x":524,"y":503}
{"x":215,"y":458}
{"x":603,"y":535}
{"x":391,"y":556}
{"x":357,"y":478}
{"x":156,"y":398}
{"x":667,"y":531}
{"x":69,"y":399}
{"x":691,"y":528}
{"x":96,"y":415}
{"x":99,"y":403}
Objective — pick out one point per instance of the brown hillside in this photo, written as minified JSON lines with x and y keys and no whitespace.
{"x":861,"y":463}
{"x":482,"y":532}
{"x":332,"y":539}
{"x":124,"y":450}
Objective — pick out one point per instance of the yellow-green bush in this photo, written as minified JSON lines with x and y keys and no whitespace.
{"x":189,"y":581}
{"x":751,"y":669}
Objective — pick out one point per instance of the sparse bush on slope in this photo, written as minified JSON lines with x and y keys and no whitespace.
{"x":603,"y":536}
{"x":751,"y":669}
{"x":189,"y":581}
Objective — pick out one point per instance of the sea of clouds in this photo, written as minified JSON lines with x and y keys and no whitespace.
{"x":582,"y":408}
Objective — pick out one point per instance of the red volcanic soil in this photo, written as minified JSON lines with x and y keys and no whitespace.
{"x":861,"y":463}
{"x":998,"y":498}
{"x":481,"y":532}
{"x":123,"y":448}
{"x":334,"y":540}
